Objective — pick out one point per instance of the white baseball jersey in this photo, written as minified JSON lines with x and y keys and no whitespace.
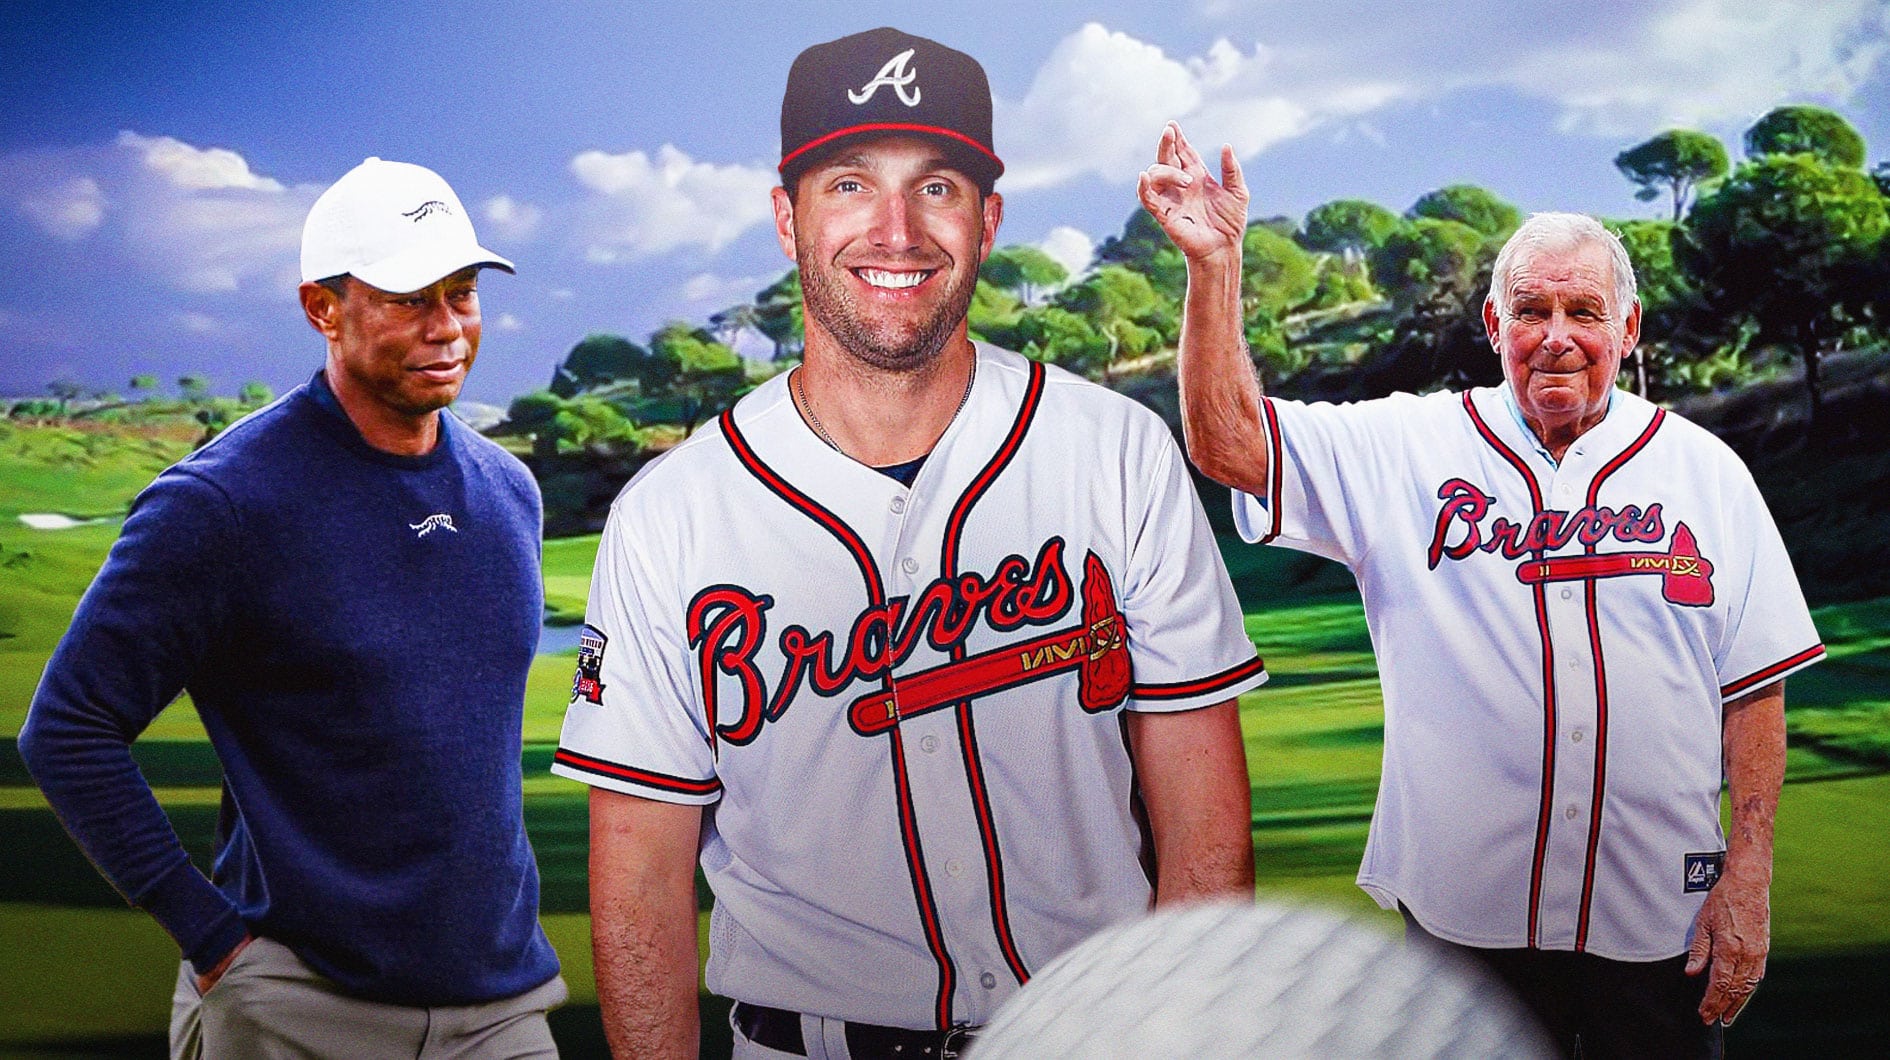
{"x":1555,"y":645}
{"x":902,"y":706}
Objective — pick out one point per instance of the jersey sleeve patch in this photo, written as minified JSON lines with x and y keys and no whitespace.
{"x":588,"y":684}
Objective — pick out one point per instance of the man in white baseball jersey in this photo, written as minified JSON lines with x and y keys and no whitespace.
{"x":1579,"y":604}
{"x":925,"y":649}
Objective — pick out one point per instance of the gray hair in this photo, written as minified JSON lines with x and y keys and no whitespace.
{"x":1562,"y":231}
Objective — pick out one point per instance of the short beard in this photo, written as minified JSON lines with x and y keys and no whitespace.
{"x":828,"y":301}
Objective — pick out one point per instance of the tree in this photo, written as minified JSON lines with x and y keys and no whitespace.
{"x":1055,"y":334}
{"x":558,"y":426}
{"x":193,"y":387}
{"x":1350,"y":228}
{"x":1275,"y":274}
{"x":1122,"y":306}
{"x":1788,"y":242}
{"x":1425,"y":258}
{"x":1800,"y":129}
{"x":1144,"y":247}
{"x":143,"y":384}
{"x":1024,"y":270}
{"x":704,"y":375}
{"x":1664,"y":292}
{"x":1679,"y":160}
{"x":994,"y":313}
{"x":1469,"y":205}
{"x":255,"y":393}
{"x":598,"y":360}
{"x":65,"y":391}
{"x":778,"y":314}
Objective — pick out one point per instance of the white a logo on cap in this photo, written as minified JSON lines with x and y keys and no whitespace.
{"x":893,"y":75}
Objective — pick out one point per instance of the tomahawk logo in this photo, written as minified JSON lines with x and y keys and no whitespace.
{"x":425,"y":210}
{"x":442,"y":521}
{"x":894,"y":75}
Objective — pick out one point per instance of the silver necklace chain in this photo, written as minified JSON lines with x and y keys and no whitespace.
{"x":807,"y":407}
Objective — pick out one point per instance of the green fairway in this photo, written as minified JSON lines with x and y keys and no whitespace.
{"x":87,"y":976}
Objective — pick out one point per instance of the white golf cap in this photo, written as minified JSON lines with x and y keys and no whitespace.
{"x":392,"y":225}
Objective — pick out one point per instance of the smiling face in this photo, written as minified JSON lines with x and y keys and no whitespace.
{"x":396,"y":359}
{"x":1561,"y":336}
{"x":888,"y":234}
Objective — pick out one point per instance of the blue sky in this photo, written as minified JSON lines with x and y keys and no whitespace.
{"x":155,"y":165}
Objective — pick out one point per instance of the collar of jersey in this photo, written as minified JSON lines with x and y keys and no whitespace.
{"x":1515,"y":413}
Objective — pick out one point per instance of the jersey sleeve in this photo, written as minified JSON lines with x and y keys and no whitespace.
{"x":1768,"y":632}
{"x":1187,"y":637}
{"x":1325,"y":465}
{"x":141,"y":630}
{"x":634,"y":725}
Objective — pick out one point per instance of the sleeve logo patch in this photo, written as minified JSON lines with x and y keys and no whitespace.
{"x":1702,"y":871}
{"x":589,"y":683}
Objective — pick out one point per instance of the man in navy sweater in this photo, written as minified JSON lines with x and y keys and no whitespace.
{"x":347,"y":584}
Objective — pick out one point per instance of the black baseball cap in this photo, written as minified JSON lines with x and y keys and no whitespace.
{"x":884,"y":82}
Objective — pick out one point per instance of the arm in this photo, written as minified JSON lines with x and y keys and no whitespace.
{"x":147,"y":621}
{"x":1192,"y":768}
{"x":1220,"y":393}
{"x":643,"y":923}
{"x":1734,"y":928}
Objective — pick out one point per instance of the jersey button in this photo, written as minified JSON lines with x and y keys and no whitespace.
{"x":1571,"y":811}
{"x":898,"y":505}
{"x":909,"y":565}
{"x":988,"y":981}
{"x":1576,"y":736}
{"x":929,"y":744}
{"x":955,"y":867}
{"x":1566,"y":593}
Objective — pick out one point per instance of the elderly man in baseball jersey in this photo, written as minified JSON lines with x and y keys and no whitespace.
{"x":347,"y":584}
{"x":901,"y":646}
{"x":1581,"y":608}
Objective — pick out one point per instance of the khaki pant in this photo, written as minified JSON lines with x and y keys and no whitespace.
{"x":272,"y":1006}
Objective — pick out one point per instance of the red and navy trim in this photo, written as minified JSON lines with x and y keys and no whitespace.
{"x":876,"y":597}
{"x":645,"y":777}
{"x":891,"y":127}
{"x":1270,"y":421}
{"x":1549,"y":721}
{"x":1771,"y":673}
{"x":1227,"y":678}
{"x":1601,"y":685}
{"x":967,"y":728}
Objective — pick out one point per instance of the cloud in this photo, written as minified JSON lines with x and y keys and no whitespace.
{"x":1703,"y":61}
{"x":196,"y":219}
{"x":641,"y":206}
{"x":69,"y":211}
{"x":1069,"y":247}
{"x":508,"y":322}
{"x":195,"y":168}
{"x":197,"y":323}
{"x":513,"y":219}
{"x":722,"y":291}
{"x":1098,"y":103}
{"x":1095,"y":106}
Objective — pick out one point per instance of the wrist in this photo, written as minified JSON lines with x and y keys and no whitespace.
{"x":1209,"y":262}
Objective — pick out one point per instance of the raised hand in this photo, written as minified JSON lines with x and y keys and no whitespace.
{"x":1205,"y":217}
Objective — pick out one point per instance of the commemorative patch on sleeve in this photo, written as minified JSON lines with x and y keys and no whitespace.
{"x":1702,"y":870}
{"x":589,"y":683}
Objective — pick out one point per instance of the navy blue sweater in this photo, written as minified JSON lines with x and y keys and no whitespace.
{"x":355,"y":629}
